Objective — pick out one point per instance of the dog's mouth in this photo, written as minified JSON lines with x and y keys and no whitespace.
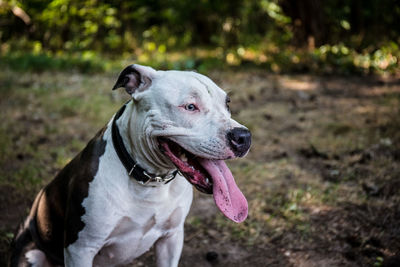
{"x":209,"y":176}
{"x":188,"y":164}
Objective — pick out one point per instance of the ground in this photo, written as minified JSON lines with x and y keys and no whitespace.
{"x":322,"y":176}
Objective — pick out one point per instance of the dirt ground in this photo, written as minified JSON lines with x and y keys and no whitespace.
{"x":322,"y":178}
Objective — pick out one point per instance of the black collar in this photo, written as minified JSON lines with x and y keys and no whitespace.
{"x":133,"y":169}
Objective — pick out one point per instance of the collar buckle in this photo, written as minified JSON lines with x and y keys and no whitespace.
{"x":158,"y":179}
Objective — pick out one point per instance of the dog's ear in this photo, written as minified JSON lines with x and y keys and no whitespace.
{"x":135,"y":78}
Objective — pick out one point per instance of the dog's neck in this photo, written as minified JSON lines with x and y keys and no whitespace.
{"x":135,"y":131}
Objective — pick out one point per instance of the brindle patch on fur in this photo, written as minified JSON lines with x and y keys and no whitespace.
{"x":78,"y":186}
{"x":55,"y":218}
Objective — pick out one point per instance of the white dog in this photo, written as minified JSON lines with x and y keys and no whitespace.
{"x":127,"y":189}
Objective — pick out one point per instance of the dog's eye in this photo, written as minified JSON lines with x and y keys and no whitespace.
{"x":191,"y":107}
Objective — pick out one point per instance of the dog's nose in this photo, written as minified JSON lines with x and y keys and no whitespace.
{"x":239,"y":140}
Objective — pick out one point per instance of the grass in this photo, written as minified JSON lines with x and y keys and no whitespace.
{"x":39,"y":109}
{"x":42,"y":62}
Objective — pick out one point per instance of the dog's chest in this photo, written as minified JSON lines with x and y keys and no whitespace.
{"x":124,"y":219}
{"x":133,"y":236}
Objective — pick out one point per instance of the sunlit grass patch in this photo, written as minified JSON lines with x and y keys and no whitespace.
{"x":339,"y":137}
{"x":42,"y":62}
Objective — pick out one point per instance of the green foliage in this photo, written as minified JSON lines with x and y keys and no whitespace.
{"x":279,"y":35}
{"x":41,"y":62}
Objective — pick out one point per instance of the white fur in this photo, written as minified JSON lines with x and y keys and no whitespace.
{"x":37,"y":258}
{"x":123,"y":219}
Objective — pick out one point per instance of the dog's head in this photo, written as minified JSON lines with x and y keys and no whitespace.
{"x":187,"y":122}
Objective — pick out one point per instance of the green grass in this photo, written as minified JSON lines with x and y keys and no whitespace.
{"x":42,"y":62}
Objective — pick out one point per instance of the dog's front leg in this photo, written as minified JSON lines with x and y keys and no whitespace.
{"x":169,"y":248}
{"x":74,"y":256}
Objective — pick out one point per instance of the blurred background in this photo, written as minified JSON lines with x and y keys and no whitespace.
{"x":287,"y":35}
{"x":317,"y":83}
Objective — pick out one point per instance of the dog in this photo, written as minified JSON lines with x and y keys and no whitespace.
{"x":131,"y":187}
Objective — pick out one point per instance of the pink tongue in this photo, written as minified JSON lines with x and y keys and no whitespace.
{"x":227,"y":195}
